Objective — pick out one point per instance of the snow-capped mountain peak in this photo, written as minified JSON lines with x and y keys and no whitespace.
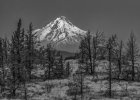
{"x":60,"y":31}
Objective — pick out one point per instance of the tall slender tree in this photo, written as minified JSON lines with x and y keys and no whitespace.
{"x":67,"y":69}
{"x":3,"y":61}
{"x":88,"y":41}
{"x":16,"y":54}
{"x":132,"y":53}
{"x":50,"y":58}
{"x":111,"y":44}
{"x":59,"y":67}
{"x":86,"y":52}
{"x":2,"y":69}
{"x":98,"y":43}
{"x":30,"y":48}
{"x":119,"y":56}
{"x":82,"y":55}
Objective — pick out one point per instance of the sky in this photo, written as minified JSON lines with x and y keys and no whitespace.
{"x":109,"y":16}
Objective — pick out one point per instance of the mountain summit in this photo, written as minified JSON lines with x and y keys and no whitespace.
{"x":60,"y":32}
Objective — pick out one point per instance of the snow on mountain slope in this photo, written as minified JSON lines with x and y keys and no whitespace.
{"x":60,"y":31}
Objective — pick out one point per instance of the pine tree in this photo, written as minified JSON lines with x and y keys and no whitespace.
{"x":83,"y":58}
{"x":41,"y":57}
{"x":2,"y":68}
{"x":89,"y":53}
{"x":30,"y":49}
{"x":67,"y":69}
{"x":111,"y":44}
{"x":119,"y":57}
{"x":76,"y":85}
{"x":59,"y":67}
{"x":16,"y":54}
{"x":50,"y":58}
{"x":5,"y":50}
{"x":98,"y":44}
{"x":132,"y":53}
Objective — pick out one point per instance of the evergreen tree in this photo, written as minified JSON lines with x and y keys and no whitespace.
{"x":89,"y":53}
{"x":98,"y":45}
{"x":16,"y":54}
{"x":83,"y":55}
{"x":68,"y":69}
{"x":3,"y":62}
{"x":30,"y":49}
{"x":76,"y":85}
{"x":2,"y":68}
{"x":111,"y":44}
{"x":90,"y":49}
{"x":132,"y":53}
{"x":59,"y":67}
{"x":50,"y":58}
{"x":119,"y":56}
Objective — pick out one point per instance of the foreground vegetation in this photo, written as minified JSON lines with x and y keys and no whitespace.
{"x":103,"y":68}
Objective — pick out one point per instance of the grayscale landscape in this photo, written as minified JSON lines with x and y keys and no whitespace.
{"x":69,"y":50}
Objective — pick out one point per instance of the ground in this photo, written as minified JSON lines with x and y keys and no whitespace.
{"x":57,"y":89}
